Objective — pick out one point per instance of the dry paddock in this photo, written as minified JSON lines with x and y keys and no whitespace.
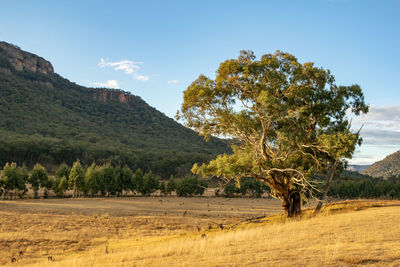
{"x":32,"y":230}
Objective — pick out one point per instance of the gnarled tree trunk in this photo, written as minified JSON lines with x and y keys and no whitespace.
{"x":292,"y":204}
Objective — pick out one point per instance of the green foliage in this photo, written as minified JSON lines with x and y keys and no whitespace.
{"x":252,"y":187}
{"x":190,"y":186}
{"x":123,"y":179}
{"x":92,"y":177}
{"x":163,"y":188}
{"x":171,"y":185}
{"x":137,"y":181}
{"x":48,"y":119}
{"x":23,"y":177}
{"x":14,"y":179}
{"x":107,"y":180}
{"x":63,"y":171}
{"x":60,"y":185}
{"x":229,"y":190}
{"x":366,"y":188}
{"x":39,"y":178}
{"x":246,"y":187}
{"x":290,"y":120}
{"x":76,"y":180}
{"x":150,"y":185}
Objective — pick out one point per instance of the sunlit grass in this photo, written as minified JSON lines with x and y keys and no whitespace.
{"x":347,"y":233}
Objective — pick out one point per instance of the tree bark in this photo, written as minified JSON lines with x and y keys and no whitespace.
{"x":292,"y":204}
{"x":328,"y":185}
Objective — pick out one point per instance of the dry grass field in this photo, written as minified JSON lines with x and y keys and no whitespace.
{"x":171,"y":231}
{"x":54,"y":227}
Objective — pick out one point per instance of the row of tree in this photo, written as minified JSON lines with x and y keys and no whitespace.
{"x":366,"y":188}
{"x":95,"y":180}
{"x":109,"y":180}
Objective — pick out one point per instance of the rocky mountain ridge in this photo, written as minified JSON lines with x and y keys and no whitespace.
{"x":22,"y":60}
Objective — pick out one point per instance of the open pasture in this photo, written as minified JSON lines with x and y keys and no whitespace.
{"x":32,"y":230}
{"x":204,"y":231}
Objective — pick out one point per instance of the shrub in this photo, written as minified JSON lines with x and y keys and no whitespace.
{"x":252,"y":187}
{"x":171,"y":185}
{"x":190,"y":186}
{"x":14,"y":179}
{"x":163,"y":188}
{"x":229,"y":190}
{"x":151,"y":184}
{"x":39,"y":178}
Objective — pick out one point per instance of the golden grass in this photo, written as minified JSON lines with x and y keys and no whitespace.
{"x":61,"y":227}
{"x":344,"y":234}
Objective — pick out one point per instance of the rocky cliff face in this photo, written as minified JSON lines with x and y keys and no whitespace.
{"x":107,"y":95}
{"x":22,"y":60}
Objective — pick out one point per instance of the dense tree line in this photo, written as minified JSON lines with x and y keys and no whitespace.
{"x":28,"y":150}
{"x":366,"y":188}
{"x":114,"y":180}
{"x":93,"y":181}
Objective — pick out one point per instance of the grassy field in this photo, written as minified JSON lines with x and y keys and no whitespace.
{"x":170,"y":231}
{"x":54,"y":227}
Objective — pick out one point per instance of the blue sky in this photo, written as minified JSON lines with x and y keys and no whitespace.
{"x":155,"y":49}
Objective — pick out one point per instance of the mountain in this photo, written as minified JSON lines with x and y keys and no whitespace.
{"x":357,"y":168}
{"x":48,"y":119}
{"x":389,"y":166}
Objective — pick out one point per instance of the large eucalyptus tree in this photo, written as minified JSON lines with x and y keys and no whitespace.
{"x":290,"y":120}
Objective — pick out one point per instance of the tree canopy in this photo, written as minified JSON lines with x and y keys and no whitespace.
{"x":290,"y":121}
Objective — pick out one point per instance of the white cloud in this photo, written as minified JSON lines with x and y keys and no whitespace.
{"x":140,"y":77}
{"x":127,"y":66}
{"x":108,"y":84}
{"x":380,"y":133}
{"x":381,"y":125}
{"x":173,"y":81}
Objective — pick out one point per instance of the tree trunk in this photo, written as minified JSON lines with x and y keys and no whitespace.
{"x":328,"y":185}
{"x":75,"y":191}
{"x":292,"y":204}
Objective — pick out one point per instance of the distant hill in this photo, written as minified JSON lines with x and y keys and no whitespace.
{"x":389,"y":166}
{"x":357,"y":168}
{"x":46,"y":118}
{"x":352,"y":175}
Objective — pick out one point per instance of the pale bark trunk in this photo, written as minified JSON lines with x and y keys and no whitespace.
{"x":328,"y":185}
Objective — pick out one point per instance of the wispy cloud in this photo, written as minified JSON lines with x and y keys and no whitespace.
{"x":381,"y":125}
{"x":173,"y":81}
{"x":127,"y":66}
{"x":143,"y":78}
{"x":380,"y":133}
{"x":108,"y":84}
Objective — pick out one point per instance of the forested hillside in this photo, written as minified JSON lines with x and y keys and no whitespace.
{"x":389,"y":166}
{"x":48,"y":119}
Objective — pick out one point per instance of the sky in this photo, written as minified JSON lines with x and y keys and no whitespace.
{"x":155,"y":49}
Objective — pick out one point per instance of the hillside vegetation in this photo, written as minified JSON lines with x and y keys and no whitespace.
{"x":48,"y":119}
{"x":389,"y":166}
